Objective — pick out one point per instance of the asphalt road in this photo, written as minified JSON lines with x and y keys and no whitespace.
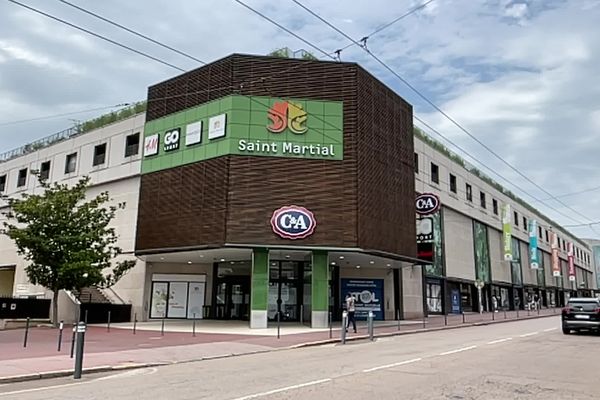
{"x":516,"y":360}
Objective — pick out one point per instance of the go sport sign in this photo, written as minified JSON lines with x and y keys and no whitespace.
{"x":245,"y":126}
{"x":293,"y":222}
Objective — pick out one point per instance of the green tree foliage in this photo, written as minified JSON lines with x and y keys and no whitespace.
{"x":65,"y":238}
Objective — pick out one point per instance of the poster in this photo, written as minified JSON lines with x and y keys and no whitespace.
{"x":455,"y":297}
{"x":507,"y":232}
{"x":368,"y":294}
{"x":177,"y":300}
{"x":159,"y":299}
{"x":555,"y":259}
{"x":571,"y":258}
{"x":195,"y":299}
{"x":533,"y":245}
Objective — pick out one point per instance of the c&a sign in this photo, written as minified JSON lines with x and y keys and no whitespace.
{"x":293,"y":222}
{"x":286,"y":114}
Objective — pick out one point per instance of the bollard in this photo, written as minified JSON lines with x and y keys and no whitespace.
{"x":26,"y":333}
{"x":424,"y":324}
{"x":463,"y":317}
{"x":108,"y":323}
{"x":301,"y":314}
{"x":134,"y":322}
{"x":278,"y":324}
{"x":528,"y":311}
{"x":505,"y":313}
{"x":344,"y":326}
{"x":538,"y":310}
{"x":79,"y":353}
{"x":60,"y":333}
{"x":370,"y":325}
{"x":445,"y":319}
{"x":85,"y":318}
{"x":162,"y":327}
{"x":398,"y":316}
{"x":517,"y":313}
{"x":493,"y":315}
{"x":73,"y":340}
{"x":330,"y":325}
{"x":194,"y":326}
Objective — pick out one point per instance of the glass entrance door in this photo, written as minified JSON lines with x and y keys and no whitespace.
{"x":233,"y":298}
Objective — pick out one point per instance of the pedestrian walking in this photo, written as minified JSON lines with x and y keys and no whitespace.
{"x":495,"y":303}
{"x":350,"y":308}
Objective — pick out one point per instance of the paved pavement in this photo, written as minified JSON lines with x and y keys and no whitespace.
{"x":121,"y":348}
{"x":529,"y":359}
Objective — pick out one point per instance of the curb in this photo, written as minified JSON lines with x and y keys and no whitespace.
{"x":125,"y":367}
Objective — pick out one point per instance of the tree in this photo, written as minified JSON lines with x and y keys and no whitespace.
{"x":66,"y":239}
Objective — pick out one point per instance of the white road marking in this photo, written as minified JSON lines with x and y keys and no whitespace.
{"x":39,"y":389}
{"x":550,"y":329}
{"x":392,"y":365}
{"x":500,"y":340}
{"x":457,"y":350}
{"x":284,"y":389}
{"x":528,"y":334}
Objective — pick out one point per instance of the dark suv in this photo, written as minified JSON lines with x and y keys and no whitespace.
{"x":581,"y":313}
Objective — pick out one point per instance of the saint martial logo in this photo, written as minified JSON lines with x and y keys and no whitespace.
{"x":286,"y":114}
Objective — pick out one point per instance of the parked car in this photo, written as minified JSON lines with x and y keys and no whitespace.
{"x":581,"y":313}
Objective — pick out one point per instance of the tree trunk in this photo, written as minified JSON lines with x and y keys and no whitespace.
{"x":55,"y":308}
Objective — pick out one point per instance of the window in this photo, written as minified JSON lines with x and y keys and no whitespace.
{"x":547,"y":237}
{"x":132,"y":145}
{"x":71,"y":163}
{"x":45,"y":170}
{"x":416,"y":163}
{"x":541,"y":232}
{"x":516,"y":218}
{"x":469,"y":190}
{"x":495,"y":206}
{"x":524,"y":223}
{"x":99,"y":154}
{"x":482,"y":200}
{"x":2,"y":183}
{"x":22,"y":179}
{"x":435,"y":173}
{"x":452,"y":183}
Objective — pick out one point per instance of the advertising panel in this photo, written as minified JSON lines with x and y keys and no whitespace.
{"x":534,"y":262}
{"x":368,"y":294}
{"x":160,"y":293}
{"x":247,"y":126}
{"x":177,"y":300}
{"x":507,"y":232}
{"x":555,"y":258}
{"x":195,"y":300}
{"x":571,"y":258}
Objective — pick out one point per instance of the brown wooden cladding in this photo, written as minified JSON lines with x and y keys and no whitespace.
{"x":366,"y":200}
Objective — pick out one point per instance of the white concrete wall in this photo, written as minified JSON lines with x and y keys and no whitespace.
{"x":412,"y":292}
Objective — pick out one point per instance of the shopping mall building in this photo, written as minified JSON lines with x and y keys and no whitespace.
{"x":260,"y":186}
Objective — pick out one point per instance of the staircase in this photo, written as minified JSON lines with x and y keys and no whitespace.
{"x":91,"y":295}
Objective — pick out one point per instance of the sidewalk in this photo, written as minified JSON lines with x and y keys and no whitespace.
{"x":120,"y":348}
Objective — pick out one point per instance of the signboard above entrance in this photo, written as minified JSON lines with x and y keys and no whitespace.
{"x":248,"y":126}
{"x":427,"y":203}
{"x":293,"y":222}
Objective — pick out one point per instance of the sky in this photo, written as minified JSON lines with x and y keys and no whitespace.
{"x":520,"y":76}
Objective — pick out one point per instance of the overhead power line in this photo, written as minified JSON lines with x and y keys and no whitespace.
{"x":22,"y":121}
{"x":100,"y":17}
{"x":438,"y":109}
{"x":387,"y":25}
{"x":62,"y":21}
{"x":562,"y":196}
{"x":285,"y":29}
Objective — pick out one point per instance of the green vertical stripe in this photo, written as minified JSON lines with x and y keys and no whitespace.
{"x":320,"y":281}
{"x":260,"y":279}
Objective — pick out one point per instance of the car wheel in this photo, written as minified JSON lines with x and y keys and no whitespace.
{"x":566,"y":330}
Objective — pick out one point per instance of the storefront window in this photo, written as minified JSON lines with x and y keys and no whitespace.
{"x":434,"y":297}
{"x":482,"y":251}
{"x":515,"y":265}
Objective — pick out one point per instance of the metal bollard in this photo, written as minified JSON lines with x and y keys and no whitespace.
{"x":528,"y":311}
{"x":538,"y":310}
{"x":424,"y":324}
{"x":194,"y":326}
{"x":162,"y":327}
{"x":398,"y":317}
{"x":278,"y":324}
{"x":344,"y":326}
{"x":505,"y":313}
{"x":85,"y":319}
{"x":79,"y":354}
{"x":60,"y":334}
{"x":463,"y":316}
{"x":517,"y":313}
{"x":26,"y":333}
{"x":301,"y":314}
{"x":108,"y":323}
{"x":134,"y":322}
{"x":445,"y":319}
{"x":370,"y":327}
{"x":330,"y":325}
{"x":73,"y":340}
{"x":493,"y":315}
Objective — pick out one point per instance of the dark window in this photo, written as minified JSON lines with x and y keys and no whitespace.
{"x":99,"y":154}
{"x":469,"y":190}
{"x":452,"y":183}
{"x":516,"y":218}
{"x":541,"y":232}
{"x":45,"y":170}
{"x":482,"y":200}
{"x":547,"y":236}
{"x":71,"y":163}
{"x":583,"y":305}
{"x":22,"y":179}
{"x":435,"y":173}
{"x":524,"y":223}
{"x":2,"y":183}
{"x":132,"y":145}
{"x":495,"y":206}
